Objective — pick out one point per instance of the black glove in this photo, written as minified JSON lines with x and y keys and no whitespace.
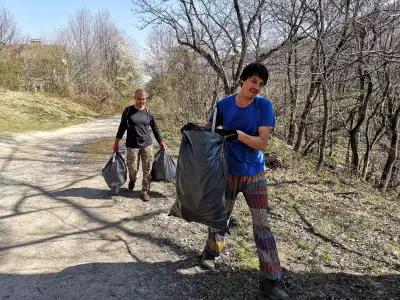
{"x":228,"y":134}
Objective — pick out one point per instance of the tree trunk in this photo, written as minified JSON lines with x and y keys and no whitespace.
{"x":293,"y":89}
{"x":392,"y":155}
{"x":369,"y":145}
{"x":312,"y":94}
{"x":354,"y":142}
{"x":364,"y":99}
{"x":393,"y":151}
{"x":324,"y":127}
{"x":394,"y":179}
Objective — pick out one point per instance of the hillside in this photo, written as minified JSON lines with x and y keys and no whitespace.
{"x":338,"y":238}
{"x":24,"y":111}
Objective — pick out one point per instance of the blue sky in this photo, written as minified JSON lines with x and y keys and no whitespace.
{"x":39,"y":18}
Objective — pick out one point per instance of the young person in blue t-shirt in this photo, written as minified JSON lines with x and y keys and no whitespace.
{"x":248,"y":118}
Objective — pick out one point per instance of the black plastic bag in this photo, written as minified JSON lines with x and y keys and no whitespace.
{"x":200,"y":178}
{"x":164,"y":168}
{"x":115,"y":172}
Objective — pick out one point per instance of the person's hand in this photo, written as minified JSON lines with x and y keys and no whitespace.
{"x":228,"y":134}
{"x":231,"y":135}
{"x":116,"y":146}
{"x":163,"y":145}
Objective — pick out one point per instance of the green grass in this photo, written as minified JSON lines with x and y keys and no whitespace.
{"x":247,"y":257}
{"x":25,"y":111}
{"x":305,"y":245}
{"x":325,"y":256}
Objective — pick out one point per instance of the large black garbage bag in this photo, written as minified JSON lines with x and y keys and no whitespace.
{"x":200,"y":178}
{"x":164,"y":168}
{"x":115,"y":172}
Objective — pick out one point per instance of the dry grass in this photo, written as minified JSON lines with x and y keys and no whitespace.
{"x":333,"y":231}
{"x":24,"y":111}
{"x":324,"y":223}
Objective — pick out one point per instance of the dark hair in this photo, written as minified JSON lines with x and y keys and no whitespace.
{"x":255,"y":68}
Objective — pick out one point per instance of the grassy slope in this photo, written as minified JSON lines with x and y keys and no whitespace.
{"x":325,"y":223}
{"x":24,"y":111}
{"x":337,"y":236}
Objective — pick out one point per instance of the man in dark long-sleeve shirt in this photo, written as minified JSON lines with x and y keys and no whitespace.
{"x":137,"y":121}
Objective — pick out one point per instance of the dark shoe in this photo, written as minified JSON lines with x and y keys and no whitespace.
{"x":131,"y":185}
{"x":145,"y":196}
{"x":207,"y":262}
{"x":271,"y":289}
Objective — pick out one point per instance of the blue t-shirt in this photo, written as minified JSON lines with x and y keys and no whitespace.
{"x":243,"y":160}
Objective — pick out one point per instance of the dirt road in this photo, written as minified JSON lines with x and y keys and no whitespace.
{"x":64,"y":236}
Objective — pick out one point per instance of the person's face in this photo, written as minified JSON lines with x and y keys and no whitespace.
{"x":252,"y":86}
{"x":140,"y":99}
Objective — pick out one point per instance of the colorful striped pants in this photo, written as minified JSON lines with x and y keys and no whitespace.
{"x":254,"y":189}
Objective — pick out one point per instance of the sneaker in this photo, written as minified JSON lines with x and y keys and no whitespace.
{"x":131,"y":185}
{"x":271,"y":289}
{"x":145,"y":196}
{"x":207,"y":262}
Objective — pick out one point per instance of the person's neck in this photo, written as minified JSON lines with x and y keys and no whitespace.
{"x":243,"y":101}
{"x":139,"y":107}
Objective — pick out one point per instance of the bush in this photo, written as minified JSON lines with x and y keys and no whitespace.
{"x":11,"y":71}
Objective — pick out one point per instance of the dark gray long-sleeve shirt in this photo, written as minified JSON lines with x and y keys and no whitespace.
{"x":137,"y":123}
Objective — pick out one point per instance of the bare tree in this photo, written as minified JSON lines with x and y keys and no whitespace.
{"x":385,"y":74}
{"x":101,"y":60}
{"x":394,"y":136}
{"x":182,"y":84}
{"x":219,"y":31}
{"x":331,"y":31}
{"x":335,"y":64}
{"x":288,"y":16}
{"x":78,"y":38}
{"x":8,"y":28}
{"x":107,"y":39}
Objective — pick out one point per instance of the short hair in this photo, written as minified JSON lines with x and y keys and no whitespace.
{"x":139,"y":91}
{"x":255,"y":68}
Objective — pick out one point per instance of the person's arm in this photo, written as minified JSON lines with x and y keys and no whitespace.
{"x":256,"y":142}
{"x":156,"y":132}
{"x":266,"y":121}
{"x":121,"y":130}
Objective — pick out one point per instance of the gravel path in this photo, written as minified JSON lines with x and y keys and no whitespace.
{"x":64,"y":236}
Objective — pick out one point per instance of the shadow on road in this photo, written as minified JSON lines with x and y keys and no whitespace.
{"x":170,"y":280}
{"x":86,"y":192}
{"x":137,"y":194}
